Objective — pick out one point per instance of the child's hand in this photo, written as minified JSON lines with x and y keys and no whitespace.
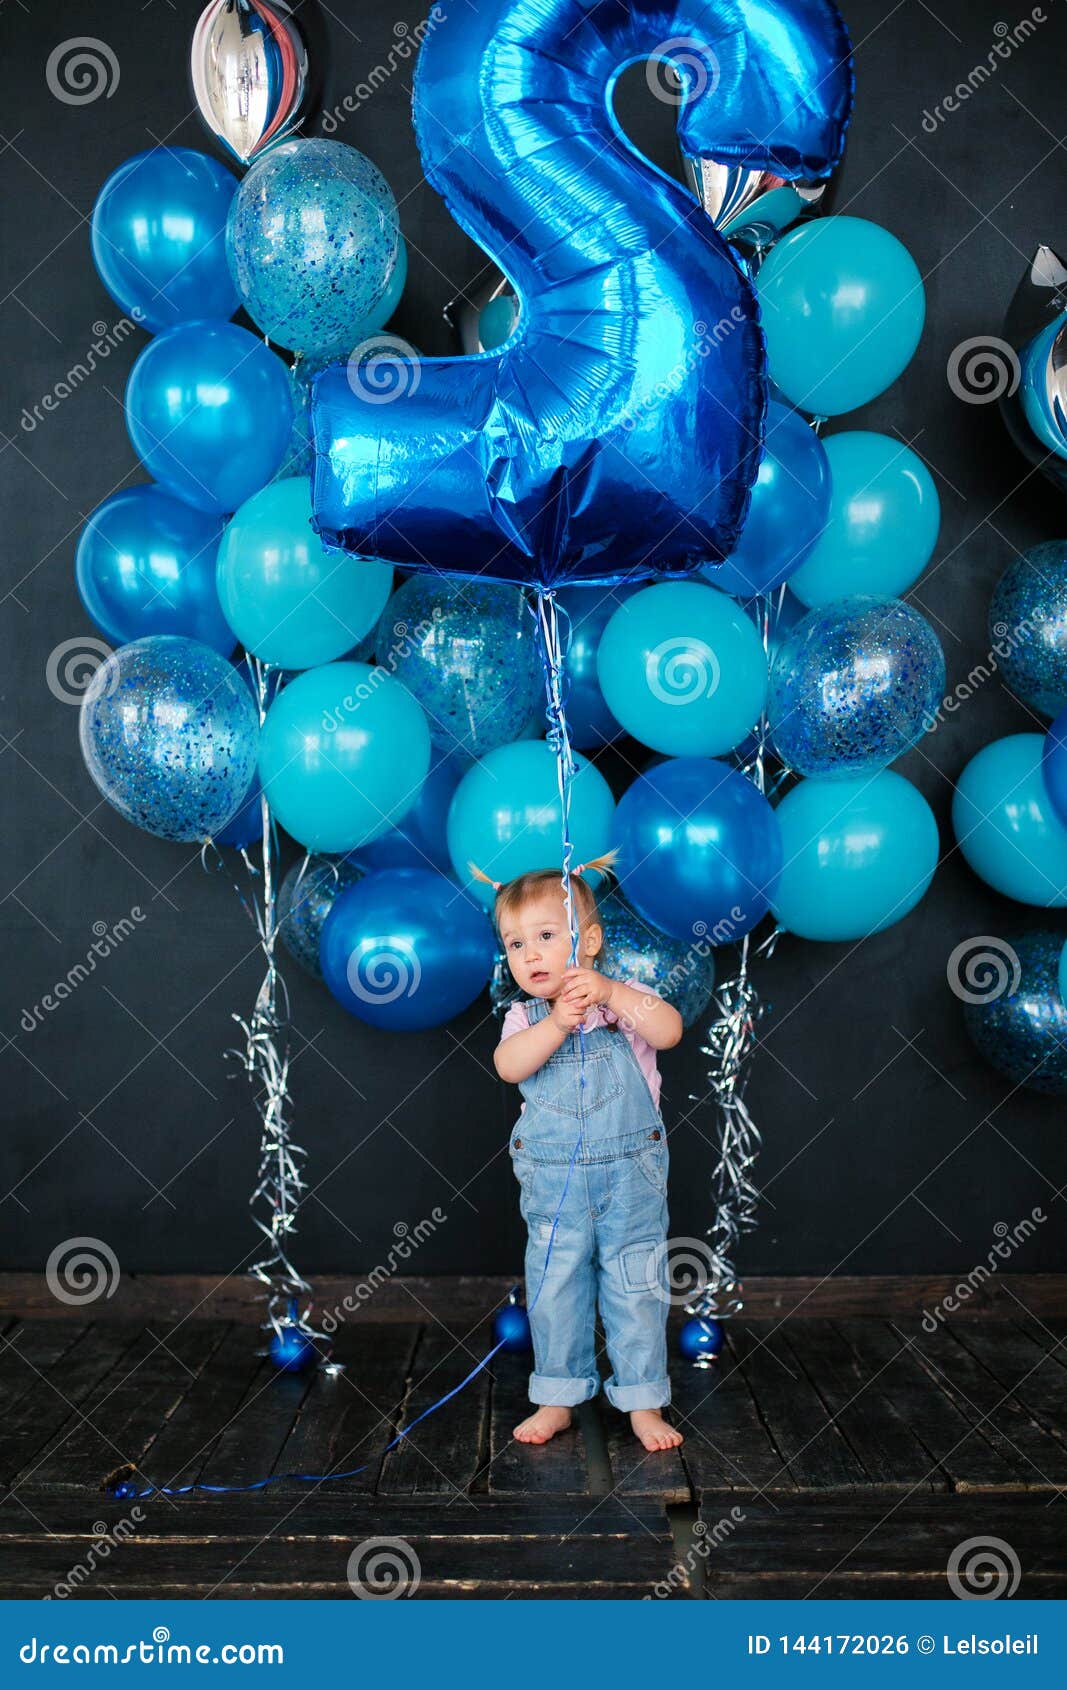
{"x":566,"y":1015}
{"x":584,"y":987}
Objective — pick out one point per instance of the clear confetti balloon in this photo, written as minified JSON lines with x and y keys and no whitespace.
{"x":305,"y":899}
{"x":467,"y":651}
{"x":1021,"y":1031}
{"x":169,"y":734}
{"x":1028,"y":627}
{"x":684,"y":974}
{"x":314,"y":243}
{"x":853,"y":686}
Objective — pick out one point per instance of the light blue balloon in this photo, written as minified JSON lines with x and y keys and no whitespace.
{"x":159,"y":237}
{"x":168,"y":732}
{"x":683,"y":669}
{"x":314,"y":246}
{"x":146,"y":565}
{"x":858,"y":855}
{"x":883,"y":521}
{"x":289,"y":601}
{"x":842,"y":306}
{"x":342,"y":755}
{"x":787,"y":510}
{"x":1006,"y":824}
{"x":467,"y":650}
{"x":496,"y":321}
{"x":209,"y":413}
{"x":507,"y":818}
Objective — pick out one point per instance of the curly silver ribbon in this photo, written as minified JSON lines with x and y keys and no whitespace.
{"x":264,"y":1057}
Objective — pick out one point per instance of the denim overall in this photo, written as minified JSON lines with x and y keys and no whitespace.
{"x":612,"y":1229}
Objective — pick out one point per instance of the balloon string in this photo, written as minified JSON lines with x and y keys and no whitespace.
{"x":273,"y":1067}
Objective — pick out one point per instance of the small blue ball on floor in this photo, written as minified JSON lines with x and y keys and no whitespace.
{"x":701,"y":1340}
{"x":291,"y":1351}
{"x":511,"y":1329}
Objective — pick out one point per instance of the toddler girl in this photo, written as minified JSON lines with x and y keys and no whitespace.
{"x":612,"y":1227}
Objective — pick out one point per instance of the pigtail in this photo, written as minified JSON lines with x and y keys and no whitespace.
{"x":486,"y":880}
{"x":600,"y":865}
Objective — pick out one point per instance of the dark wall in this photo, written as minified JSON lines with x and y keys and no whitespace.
{"x":888,"y":1146}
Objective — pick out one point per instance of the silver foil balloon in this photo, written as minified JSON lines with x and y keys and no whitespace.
{"x":249,"y":67}
{"x":1027,"y":371}
{"x":746,"y":204}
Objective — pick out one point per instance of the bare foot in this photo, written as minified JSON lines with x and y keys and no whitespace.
{"x":543,"y":1425}
{"x":653,"y":1430}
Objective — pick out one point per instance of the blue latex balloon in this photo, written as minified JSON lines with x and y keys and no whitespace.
{"x":586,"y":613}
{"x":858,"y":855}
{"x":1006,"y":824}
{"x":168,"y":733}
{"x":467,"y":650}
{"x":854,"y":686}
{"x":635,"y":950}
{"x":289,"y":601}
{"x":406,"y":949}
{"x":291,"y":1351}
{"x":343,"y":753}
{"x":159,"y":237}
{"x":1028,"y":627}
{"x":700,"y":850}
{"x":305,"y":898}
{"x":788,"y":510}
{"x":421,"y":840}
{"x":683,"y":669}
{"x":1054,"y":765}
{"x":701,"y":1340}
{"x":209,"y":413}
{"x":246,"y":827}
{"x":314,"y":246}
{"x":617,"y":432}
{"x":146,"y":565}
{"x":1063,"y":972}
{"x":843,"y":308}
{"x":883,"y":522}
{"x":1022,"y":1031}
{"x":511,"y":1330}
{"x":506,"y":815}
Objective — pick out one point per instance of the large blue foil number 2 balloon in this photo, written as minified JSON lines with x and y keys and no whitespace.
{"x":617,"y":433}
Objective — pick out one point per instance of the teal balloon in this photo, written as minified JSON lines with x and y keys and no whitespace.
{"x":858,"y":855}
{"x":209,"y":413}
{"x":842,"y":307}
{"x":159,"y":237}
{"x":787,"y":508}
{"x":289,"y":601}
{"x":146,"y":565}
{"x":882,"y":526}
{"x":467,"y":650}
{"x":683,"y":669}
{"x":507,"y":818}
{"x":1007,"y":826}
{"x":343,"y":753}
{"x":497,"y":320}
{"x":314,"y":246}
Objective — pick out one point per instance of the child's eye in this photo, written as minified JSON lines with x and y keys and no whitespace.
{"x":514,"y":944}
{"x":549,"y":933}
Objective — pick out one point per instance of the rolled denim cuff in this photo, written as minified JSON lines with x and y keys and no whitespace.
{"x":562,"y":1393}
{"x":657,"y":1394}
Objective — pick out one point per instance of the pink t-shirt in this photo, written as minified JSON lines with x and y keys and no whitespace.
{"x":517,"y":1020}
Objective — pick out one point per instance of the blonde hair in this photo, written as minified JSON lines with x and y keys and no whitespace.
{"x":513,"y":895}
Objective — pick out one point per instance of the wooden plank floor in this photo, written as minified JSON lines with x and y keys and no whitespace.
{"x":831,"y":1456}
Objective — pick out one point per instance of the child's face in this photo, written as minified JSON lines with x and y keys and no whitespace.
{"x":537,"y":943}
